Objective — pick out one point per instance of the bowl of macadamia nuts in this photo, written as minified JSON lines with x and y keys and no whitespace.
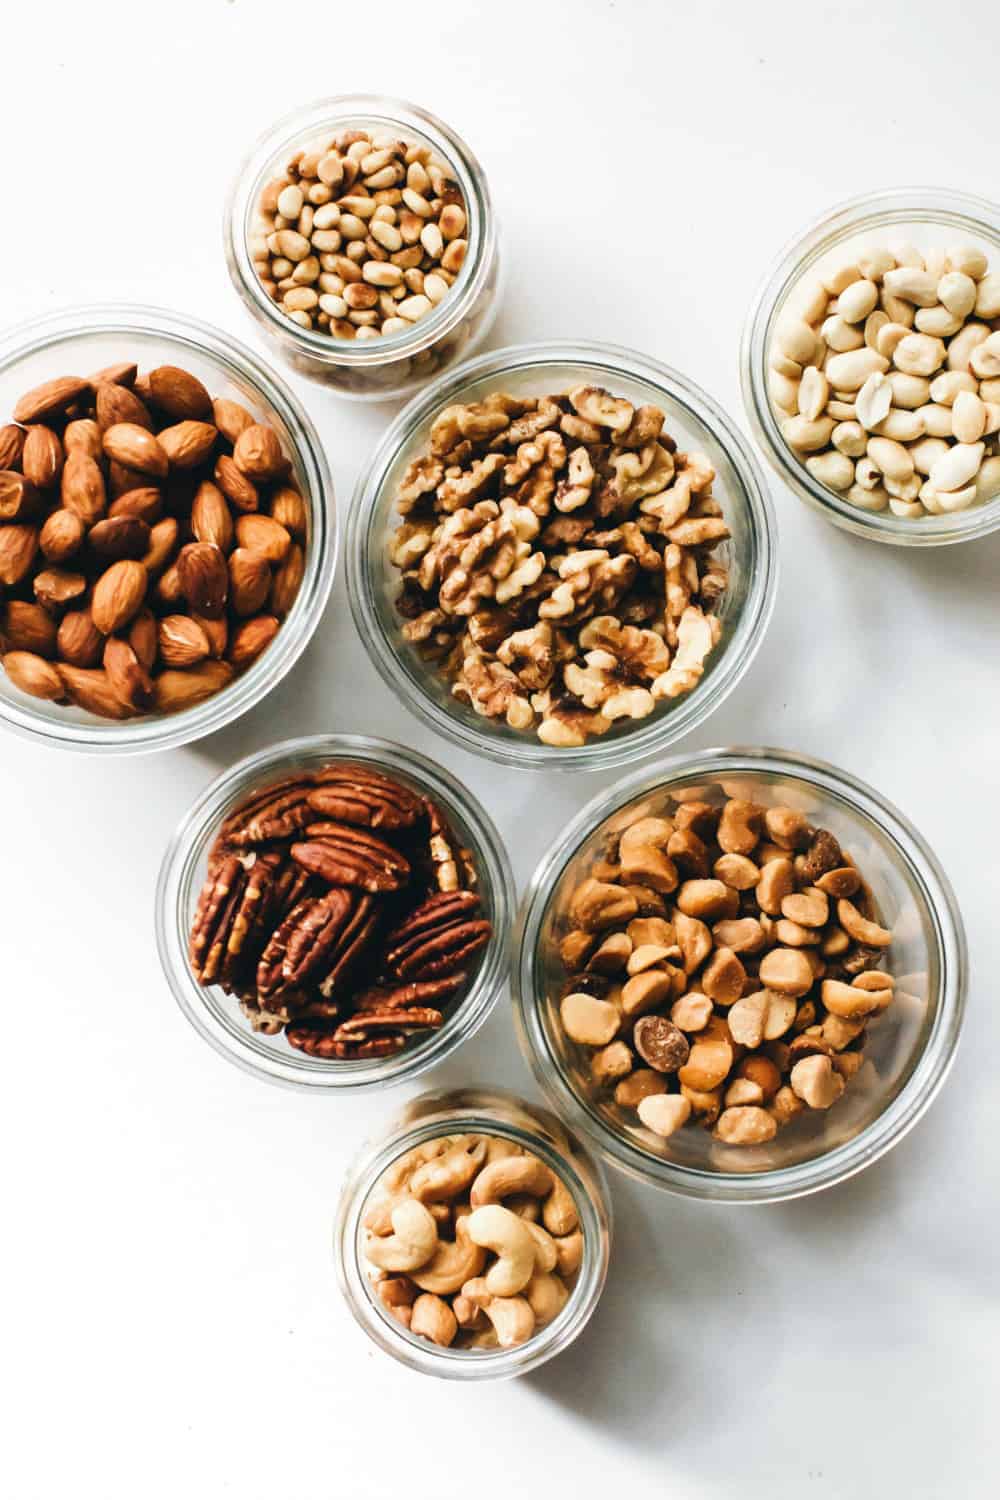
{"x":743,"y":975}
{"x":871,"y":366}
{"x":361,"y":238}
{"x":472,"y":1240}
{"x":562,"y":555}
{"x":167,"y":531}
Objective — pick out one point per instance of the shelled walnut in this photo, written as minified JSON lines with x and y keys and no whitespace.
{"x":723,"y":963}
{"x":556,"y":560}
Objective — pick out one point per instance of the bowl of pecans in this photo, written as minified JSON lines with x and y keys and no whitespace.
{"x":562,"y":555}
{"x":167,"y":531}
{"x":743,"y":975}
{"x":334,"y":912}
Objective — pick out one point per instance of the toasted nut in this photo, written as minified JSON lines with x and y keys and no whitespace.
{"x":707,"y":899}
{"x":664,"y":1113}
{"x":588,"y":1020}
{"x":611,"y":1064}
{"x":412,"y":1243}
{"x":745,"y":1125}
{"x":815,"y":1081}
{"x":644,"y":991}
{"x":661,"y":1044}
{"x":869,"y":934}
{"x":638,"y":1086}
{"x":34,"y":675}
{"x":692,"y":1012}
{"x":786,"y":971}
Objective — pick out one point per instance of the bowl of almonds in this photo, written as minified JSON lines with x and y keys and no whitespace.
{"x":167,"y":531}
{"x":871,"y":366}
{"x":744,"y":975}
{"x":562,"y":555}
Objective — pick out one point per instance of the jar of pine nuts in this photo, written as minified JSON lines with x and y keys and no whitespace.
{"x":361,"y":237}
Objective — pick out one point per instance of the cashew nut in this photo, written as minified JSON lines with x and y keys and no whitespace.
{"x":400,"y":1172}
{"x":569,"y":1252}
{"x":512,"y":1317}
{"x":496,"y":1228}
{"x":412,"y":1242}
{"x":514,"y":1174}
{"x":546,"y":1255}
{"x":559,"y":1214}
{"x":546,"y":1296}
{"x":434,"y":1320}
{"x":453,"y":1263}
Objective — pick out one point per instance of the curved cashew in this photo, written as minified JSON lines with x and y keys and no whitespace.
{"x":468,"y":1314}
{"x":546,"y":1255}
{"x":453,"y":1263}
{"x":569,"y":1252}
{"x":379,"y":1218}
{"x":513,"y":1174}
{"x":397,"y":1295}
{"x":525,"y":1206}
{"x":433,"y":1319}
{"x":412,"y":1242}
{"x":496,"y":1228}
{"x":512,"y":1317}
{"x":559,"y":1214}
{"x":869,"y":934}
{"x":447,"y":1175}
{"x":399,"y":1174}
{"x":498,"y":1147}
{"x":480,"y":1338}
{"x":546,"y":1296}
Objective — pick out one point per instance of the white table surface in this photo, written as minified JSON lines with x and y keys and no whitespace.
{"x":171,"y":1323}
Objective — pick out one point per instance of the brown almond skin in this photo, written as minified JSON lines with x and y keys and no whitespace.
{"x":19,"y":499}
{"x":43,"y":457}
{"x":182,"y":641}
{"x":11,"y":446}
{"x":179,"y":394}
{"x":116,"y":403}
{"x":216,"y":633}
{"x":251,"y":638}
{"x":163,"y":539}
{"x":83,"y":436}
{"x":236,"y":487}
{"x":53,"y":396}
{"x":211,"y":520}
{"x":230,"y":418}
{"x":83,"y":490}
{"x":288,"y":508}
{"x":118,"y":595}
{"x":122,"y":479}
{"x":119,"y":536}
{"x":145,"y":503}
{"x":92,"y":691}
{"x":58,"y":589}
{"x":136,"y":449}
{"x":28,"y":627}
{"x":127,"y":678}
{"x":79,"y":641}
{"x":288,"y":580}
{"x":257,"y":454}
{"x":124,"y":373}
{"x":175,"y":690}
{"x":18,"y":547}
{"x":264,"y":536}
{"x":32,"y":674}
{"x":168,"y":591}
{"x":249,"y":582}
{"x":142,"y":637}
{"x":204,"y":578}
{"x":61,"y":536}
{"x":187,"y":444}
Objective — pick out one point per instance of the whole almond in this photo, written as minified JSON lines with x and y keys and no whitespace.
{"x":85,"y":435}
{"x":143,"y":638}
{"x":168,"y":591}
{"x":79,"y":641}
{"x":179,"y":393}
{"x":116,"y":403}
{"x":123,"y":373}
{"x":43,"y":457}
{"x":128,"y":679}
{"x":121,"y":480}
{"x":181,"y":641}
{"x":234,"y":485}
{"x":231,"y":418}
{"x":92,"y":691}
{"x":216,"y":633}
{"x":11,"y":446}
{"x":289,"y":509}
{"x":145,"y":503}
{"x":257,"y":454}
{"x":18,"y":546}
{"x":251,"y":638}
{"x":119,"y":536}
{"x":176,"y":690}
{"x":28,"y":627}
{"x":118,"y":595}
{"x":19,"y":500}
{"x":187,"y":444}
{"x":82,"y":487}
{"x":58,"y":589}
{"x":264,"y":535}
{"x":288,"y":580}
{"x":210,"y":517}
{"x":163,"y":538}
{"x":249,"y":581}
{"x":62,"y":535}
{"x":204,"y":578}
{"x":34,"y":675}
{"x":136,"y":449}
{"x":53,"y":396}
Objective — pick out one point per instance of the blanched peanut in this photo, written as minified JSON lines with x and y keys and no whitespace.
{"x":815,"y":1081}
{"x":786,"y":971}
{"x":589,"y":1020}
{"x":692,"y":1012}
{"x":745,"y":1125}
{"x":664,"y":1113}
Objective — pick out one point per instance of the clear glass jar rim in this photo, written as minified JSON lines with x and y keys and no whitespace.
{"x":903,"y":1111}
{"x":597,"y":755}
{"x":34,"y":335}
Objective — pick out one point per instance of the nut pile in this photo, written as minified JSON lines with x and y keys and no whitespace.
{"x":472,"y":1242}
{"x":723,"y":962}
{"x":340,"y":909}
{"x":361,"y":236}
{"x":151,"y":541}
{"x":885,"y":375}
{"x":556,"y":554}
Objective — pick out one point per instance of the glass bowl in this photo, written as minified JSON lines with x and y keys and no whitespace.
{"x":394,"y":365}
{"x":694,"y":420}
{"x":87,"y":338}
{"x":217,"y":1017}
{"x":494,"y":1112}
{"x":911,"y":1045}
{"x":924,"y":217}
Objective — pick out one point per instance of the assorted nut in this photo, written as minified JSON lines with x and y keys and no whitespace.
{"x":556,"y":557}
{"x":885,"y":378}
{"x":361,"y":236}
{"x":340,"y":909}
{"x":472,"y":1242}
{"x":151,"y":541}
{"x":723,"y":962}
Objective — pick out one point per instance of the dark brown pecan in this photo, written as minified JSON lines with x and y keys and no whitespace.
{"x":217,"y":904}
{"x":314,"y":937}
{"x":384,"y":997}
{"x":343,"y":855}
{"x":365,"y":799}
{"x":247,"y":929}
{"x":452,"y":865}
{"x":352,"y":943}
{"x":320,"y":1042}
{"x":275,"y":813}
{"x":412,"y":1018}
{"x":270,"y":970}
{"x":438,"y":938}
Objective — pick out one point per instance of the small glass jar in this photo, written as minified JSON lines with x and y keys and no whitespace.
{"x":925,"y":217}
{"x":694,"y":420}
{"x":395,"y":364}
{"x":493,"y":1112}
{"x":911,"y":1045}
{"x":85,"y":339}
{"x":217,"y":1017}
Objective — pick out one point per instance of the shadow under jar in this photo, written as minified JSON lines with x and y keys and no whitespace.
{"x":696,"y":424}
{"x":907,"y":1049}
{"x":217,"y":1016}
{"x":496,"y":1116}
{"x":926,"y":219}
{"x":84,"y":340}
{"x":393,"y":364}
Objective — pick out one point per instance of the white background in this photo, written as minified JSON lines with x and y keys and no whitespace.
{"x":171,"y":1322}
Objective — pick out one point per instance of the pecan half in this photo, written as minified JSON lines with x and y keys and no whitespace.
{"x":438,"y":937}
{"x":384,"y":997}
{"x":322,"y":1043}
{"x":314,"y":936}
{"x":217,"y":903}
{"x":275,"y":813}
{"x":414,"y":1017}
{"x":346,"y":856}
{"x":365,"y":799}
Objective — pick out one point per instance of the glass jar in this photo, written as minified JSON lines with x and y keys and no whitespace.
{"x":395,"y":364}
{"x":217,"y":1017}
{"x":88,"y":338}
{"x":493,"y":1112}
{"x":911,"y":1045}
{"x":924,"y":217}
{"x":694,"y":420}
